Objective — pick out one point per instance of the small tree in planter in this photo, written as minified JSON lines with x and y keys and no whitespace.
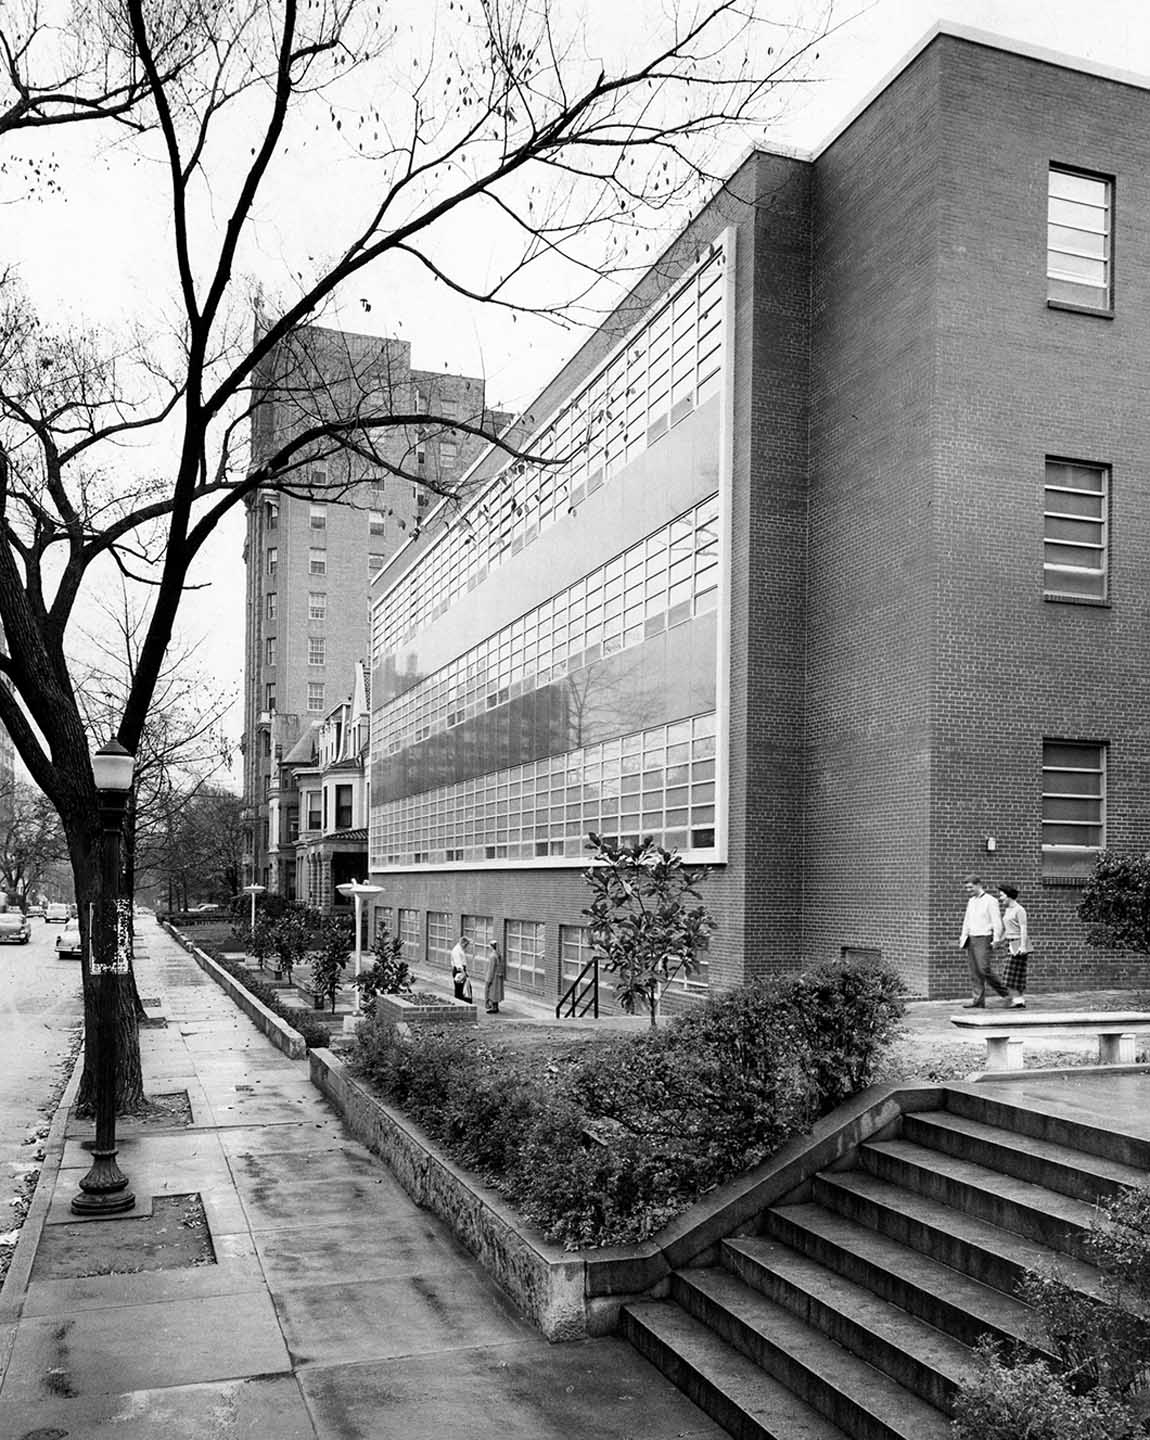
{"x":389,"y":974}
{"x":642,"y":929}
{"x":291,"y":940}
{"x":328,"y":961}
{"x":259,"y":939}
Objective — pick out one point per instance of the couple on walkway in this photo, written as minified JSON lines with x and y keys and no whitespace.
{"x":984,"y":928}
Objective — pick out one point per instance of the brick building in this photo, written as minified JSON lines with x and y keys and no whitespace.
{"x":838,"y":581}
{"x":309,"y":560}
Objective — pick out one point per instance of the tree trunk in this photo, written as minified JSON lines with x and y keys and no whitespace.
{"x":85,"y":844}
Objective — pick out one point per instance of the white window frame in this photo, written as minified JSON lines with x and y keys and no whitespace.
{"x":1063,"y":505}
{"x":315,"y":693}
{"x":316,"y":561}
{"x":1080,"y":239}
{"x":317,"y":517}
{"x":317,"y":649}
{"x":1059,"y":859}
{"x":317,"y":611}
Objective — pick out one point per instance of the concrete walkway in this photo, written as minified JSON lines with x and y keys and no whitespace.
{"x":335,"y":1307}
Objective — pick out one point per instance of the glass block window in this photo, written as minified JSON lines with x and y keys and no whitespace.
{"x":1078,"y":239}
{"x":383,"y":920}
{"x":317,"y":517}
{"x":316,"y":650}
{"x":670,"y":365}
{"x":523,"y":948}
{"x":1073,"y":807}
{"x":480,"y":930}
{"x":270,"y":650}
{"x":316,"y":605}
{"x":574,"y":953}
{"x":317,"y":562}
{"x":659,"y":782}
{"x":441,"y":937}
{"x":1075,"y":524}
{"x":272,"y":562}
{"x":270,"y":605}
{"x":410,"y":935}
{"x":663,"y":581}
{"x":315,"y":695}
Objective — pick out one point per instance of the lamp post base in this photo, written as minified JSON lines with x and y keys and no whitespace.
{"x":104,"y":1190}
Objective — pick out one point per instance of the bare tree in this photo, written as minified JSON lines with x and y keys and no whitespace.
{"x":31,"y":842}
{"x":494,"y":111}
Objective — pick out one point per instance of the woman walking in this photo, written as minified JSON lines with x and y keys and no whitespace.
{"x":1016,"y":937}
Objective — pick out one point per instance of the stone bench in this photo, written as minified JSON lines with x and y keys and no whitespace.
{"x":1005,"y":1030}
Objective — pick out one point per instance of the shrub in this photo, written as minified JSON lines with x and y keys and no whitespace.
{"x":313,"y":1035}
{"x":291,"y":938}
{"x":1116,"y":902}
{"x":1029,"y":1401}
{"x":607,"y":1148}
{"x":389,"y":974}
{"x":1097,"y":1389}
{"x":333,"y":946}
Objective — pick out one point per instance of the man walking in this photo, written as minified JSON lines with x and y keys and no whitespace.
{"x":981,"y":929}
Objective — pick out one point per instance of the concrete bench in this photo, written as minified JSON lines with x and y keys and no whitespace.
{"x":1004,"y":1032}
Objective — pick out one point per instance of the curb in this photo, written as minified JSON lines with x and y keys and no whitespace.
{"x":15,"y":1287}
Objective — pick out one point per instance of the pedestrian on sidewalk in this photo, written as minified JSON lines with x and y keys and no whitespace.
{"x":981,"y":929}
{"x":1016,"y":938}
{"x":496,"y":974}
{"x":460,"y":979}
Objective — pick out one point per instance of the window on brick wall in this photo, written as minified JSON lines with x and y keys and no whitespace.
{"x":1073,"y":807}
{"x":273,"y":556}
{"x":270,"y":605}
{"x":270,"y":696}
{"x":1078,"y":239}
{"x":377,"y":524}
{"x":375,"y":561}
{"x":316,"y":650}
{"x":270,"y":650}
{"x":317,"y":517}
{"x":441,"y":936}
{"x":523,"y":947}
{"x":315,"y":694}
{"x":317,"y":562}
{"x":480,"y":930}
{"x":409,"y":934}
{"x":1075,"y":523}
{"x":314,"y":813}
{"x":343,"y":807}
{"x":316,"y":606}
{"x":574,"y":952}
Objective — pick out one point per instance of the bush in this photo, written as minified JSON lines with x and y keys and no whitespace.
{"x":608,"y":1148}
{"x":1097,"y":1390}
{"x":389,"y":974}
{"x":1029,"y":1401}
{"x":314,"y":1036}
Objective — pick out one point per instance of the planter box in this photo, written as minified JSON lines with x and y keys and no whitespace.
{"x":398,"y":1011}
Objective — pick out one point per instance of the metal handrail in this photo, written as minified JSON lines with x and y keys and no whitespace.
{"x":580,"y":1001}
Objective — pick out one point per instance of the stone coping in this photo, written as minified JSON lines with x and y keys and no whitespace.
{"x":277,"y":1030}
{"x":571,"y":1294}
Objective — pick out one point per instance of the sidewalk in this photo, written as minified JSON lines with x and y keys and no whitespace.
{"x":335,"y":1308}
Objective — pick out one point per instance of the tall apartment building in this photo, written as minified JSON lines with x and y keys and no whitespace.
{"x":839,"y":586}
{"x":309,"y":560}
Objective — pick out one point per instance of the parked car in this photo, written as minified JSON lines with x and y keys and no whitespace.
{"x":68,"y":942}
{"x":206,"y":906}
{"x":35,"y":911}
{"x":56,"y":913}
{"x":14,"y":928}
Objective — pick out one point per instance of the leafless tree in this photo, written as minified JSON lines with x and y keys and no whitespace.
{"x":31,"y":842}
{"x":497,"y":109}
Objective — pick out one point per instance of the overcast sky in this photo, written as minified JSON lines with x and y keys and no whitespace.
{"x":53,"y":245}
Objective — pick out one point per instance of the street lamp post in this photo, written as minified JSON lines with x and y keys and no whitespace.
{"x":104,"y":1189}
{"x":253,"y":890}
{"x":357,"y":890}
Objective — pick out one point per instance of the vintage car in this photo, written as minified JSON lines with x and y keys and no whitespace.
{"x":14,"y":928}
{"x":56,"y":913}
{"x":68,"y":942}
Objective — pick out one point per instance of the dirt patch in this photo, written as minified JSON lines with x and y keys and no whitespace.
{"x":166,"y":1112}
{"x":174,"y":1237}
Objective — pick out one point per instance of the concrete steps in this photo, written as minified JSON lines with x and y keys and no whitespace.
{"x":863,"y":1297}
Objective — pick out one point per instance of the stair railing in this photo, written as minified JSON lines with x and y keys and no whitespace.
{"x":582,"y":994}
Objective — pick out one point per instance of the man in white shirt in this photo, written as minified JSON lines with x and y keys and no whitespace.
{"x":981,"y":929}
{"x":460,"y":979}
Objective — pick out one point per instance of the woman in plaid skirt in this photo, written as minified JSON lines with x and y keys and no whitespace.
{"x":1017,"y":940}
